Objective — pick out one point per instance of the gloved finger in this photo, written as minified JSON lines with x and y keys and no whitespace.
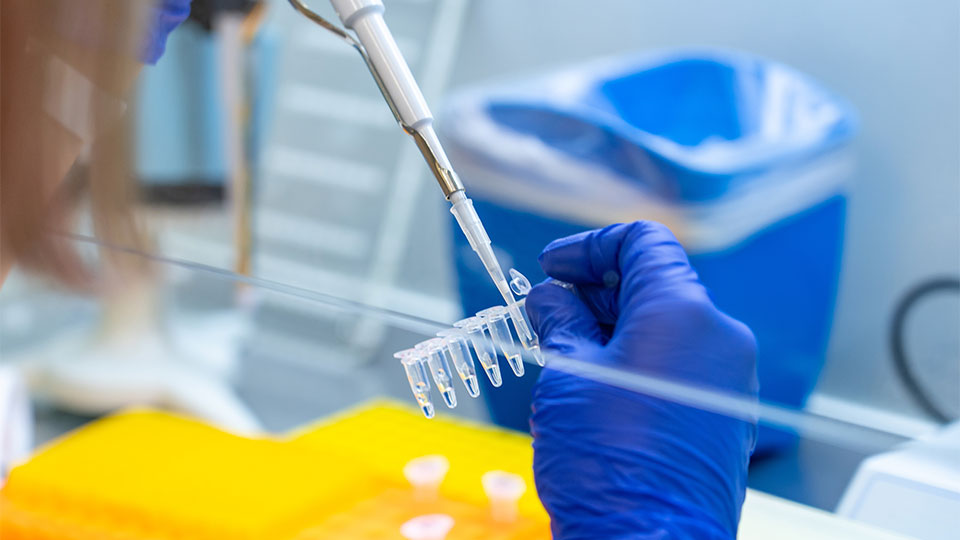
{"x":560,"y":318}
{"x":641,"y":260}
{"x":585,"y":258}
{"x":602,"y":301}
{"x":580,"y":260}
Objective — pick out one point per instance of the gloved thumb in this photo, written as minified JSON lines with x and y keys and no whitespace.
{"x":560,"y":318}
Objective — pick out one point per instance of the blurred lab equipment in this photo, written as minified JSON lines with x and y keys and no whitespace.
{"x":379,"y":51}
{"x":489,"y":332}
{"x":137,"y":354}
{"x":943,"y":409}
{"x":186,"y":102}
{"x":745,"y":159}
{"x":144,"y":474}
{"x":913,"y":490}
{"x":203,"y":113}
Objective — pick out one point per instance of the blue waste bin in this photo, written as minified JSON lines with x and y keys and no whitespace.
{"x":745,"y":159}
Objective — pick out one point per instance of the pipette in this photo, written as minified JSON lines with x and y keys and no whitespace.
{"x":376,"y":45}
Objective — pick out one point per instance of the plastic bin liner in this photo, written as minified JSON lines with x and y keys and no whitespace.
{"x":745,"y":159}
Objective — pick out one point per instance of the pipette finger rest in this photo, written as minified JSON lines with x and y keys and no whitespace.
{"x":489,"y":334}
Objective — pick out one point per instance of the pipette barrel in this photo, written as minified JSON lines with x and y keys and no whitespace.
{"x":365,"y":17}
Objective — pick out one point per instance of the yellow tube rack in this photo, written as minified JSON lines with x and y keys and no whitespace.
{"x":145,"y":474}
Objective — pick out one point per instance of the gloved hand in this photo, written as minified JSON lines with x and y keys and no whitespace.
{"x":613,"y":463}
{"x":164,"y":17}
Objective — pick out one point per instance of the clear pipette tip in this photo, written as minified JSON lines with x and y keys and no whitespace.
{"x":472,"y":227}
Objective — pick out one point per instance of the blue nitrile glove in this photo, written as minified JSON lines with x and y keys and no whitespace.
{"x":613,"y":463}
{"x":163,"y":18}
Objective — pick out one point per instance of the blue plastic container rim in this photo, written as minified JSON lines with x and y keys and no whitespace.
{"x":709,"y":167}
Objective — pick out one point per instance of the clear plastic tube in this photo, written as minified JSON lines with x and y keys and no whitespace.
{"x":483,"y":346}
{"x":503,"y":490}
{"x":440,"y":369}
{"x":425,"y":474}
{"x":458,"y":351}
{"x":412,"y":361}
{"x":521,"y":286}
{"x":526,"y":336}
{"x":496,"y":319}
{"x":427,"y":527}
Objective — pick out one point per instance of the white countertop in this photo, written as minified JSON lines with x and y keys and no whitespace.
{"x":766,"y":517}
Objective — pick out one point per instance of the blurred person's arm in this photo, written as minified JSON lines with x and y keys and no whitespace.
{"x":68,"y":67}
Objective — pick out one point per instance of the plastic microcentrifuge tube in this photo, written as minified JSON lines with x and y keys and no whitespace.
{"x":425,"y":474}
{"x":486,"y":353}
{"x":496,"y":319}
{"x":439,"y":368}
{"x":521,"y":286}
{"x":503,"y":490}
{"x":427,"y":527}
{"x":526,"y":336}
{"x":519,"y":283}
{"x":412,"y":361}
{"x":458,"y":350}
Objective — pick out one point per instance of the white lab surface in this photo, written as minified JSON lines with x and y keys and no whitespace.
{"x":914,"y":490}
{"x":766,"y":517}
{"x":16,"y":420}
